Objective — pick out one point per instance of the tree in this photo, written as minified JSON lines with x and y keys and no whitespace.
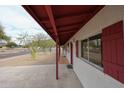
{"x":43,"y":41}
{"x":27,"y":42}
{"x":11,"y":44}
{"x":3,"y":36}
{"x":1,"y":32}
{"x":50,"y":44}
{"x":36,"y":42}
{"x":24,"y":39}
{"x":39,"y":40}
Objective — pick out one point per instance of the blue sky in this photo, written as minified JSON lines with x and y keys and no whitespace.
{"x":16,"y":20}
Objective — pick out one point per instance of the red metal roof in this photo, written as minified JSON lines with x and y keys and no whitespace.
{"x":61,"y":22}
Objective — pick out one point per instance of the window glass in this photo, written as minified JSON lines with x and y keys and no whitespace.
{"x":84,"y":49}
{"x":95,"y":50}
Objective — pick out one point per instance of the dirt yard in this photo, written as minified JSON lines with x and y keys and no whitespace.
{"x":23,"y":60}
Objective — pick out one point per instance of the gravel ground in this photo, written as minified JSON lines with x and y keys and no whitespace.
{"x":24,"y":60}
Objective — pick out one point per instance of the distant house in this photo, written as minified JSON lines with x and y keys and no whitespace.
{"x":2,"y":42}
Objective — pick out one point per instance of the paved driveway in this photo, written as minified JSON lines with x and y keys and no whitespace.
{"x":12,"y":53}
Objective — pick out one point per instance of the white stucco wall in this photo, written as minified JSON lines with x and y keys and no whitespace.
{"x":88,"y":74}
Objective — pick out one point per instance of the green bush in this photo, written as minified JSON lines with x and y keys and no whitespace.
{"x":11,"y":45}
{"x":33,"y":52}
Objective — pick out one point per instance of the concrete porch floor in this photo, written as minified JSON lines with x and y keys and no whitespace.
{"x":38,"y":76}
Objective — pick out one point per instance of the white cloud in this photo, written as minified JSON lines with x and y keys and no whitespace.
{"x":16,"y":20}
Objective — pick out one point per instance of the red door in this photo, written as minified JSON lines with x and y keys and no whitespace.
{"x":71,"y":45}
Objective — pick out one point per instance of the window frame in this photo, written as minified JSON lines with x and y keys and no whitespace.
{"x":87,"y":60}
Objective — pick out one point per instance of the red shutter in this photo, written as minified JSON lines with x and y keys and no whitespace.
{"x":113,"y":51}
{"x":76,"y":45}
{"x":71,"y":46}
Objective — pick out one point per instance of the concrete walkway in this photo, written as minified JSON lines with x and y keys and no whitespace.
{"x":38,"y":76}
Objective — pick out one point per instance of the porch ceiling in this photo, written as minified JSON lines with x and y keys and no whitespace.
{"x":61,"y":22}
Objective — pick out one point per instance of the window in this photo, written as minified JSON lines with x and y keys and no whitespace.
{"x":84,"y":49}
{"x":95,"y":50}
{"x":68,"y":47}
{"x":77,"y":48}
{"x":91,"y":49}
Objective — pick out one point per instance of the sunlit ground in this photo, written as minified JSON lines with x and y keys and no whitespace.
{"x":21,"y":60}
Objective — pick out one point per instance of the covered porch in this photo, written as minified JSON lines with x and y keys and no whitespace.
{"x":61,"y":22}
